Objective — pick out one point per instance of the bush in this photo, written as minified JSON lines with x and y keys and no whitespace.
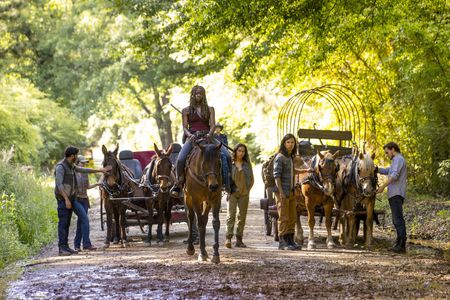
{"x":28,"y":215}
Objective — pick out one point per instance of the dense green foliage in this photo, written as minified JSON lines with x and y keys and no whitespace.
{"x":118,"y":65}
{"x":27,"y":213}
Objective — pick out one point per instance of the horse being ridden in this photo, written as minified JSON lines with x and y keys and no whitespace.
{"x":356,"y":186}
{"x":202,"y":193}
{"x":157,"y":180}
{"x":198,"y":121}
{"x":117,"y":183}
{"x":318,"y":189}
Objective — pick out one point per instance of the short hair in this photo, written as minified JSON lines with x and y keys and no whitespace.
{"x":71,"y":150}
{"x":392,"y":145}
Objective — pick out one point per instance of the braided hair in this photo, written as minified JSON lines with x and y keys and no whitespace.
{"x":204,"y":106}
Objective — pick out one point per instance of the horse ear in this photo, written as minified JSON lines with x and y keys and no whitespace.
{"x":158,"y":152}
{"x":320,"y":154}
{"x":336,"y":154}
{"x":169,"y":150}
{"x":373,"y":156}
{"x":218,"y":146}
{"x":361,"y":156}
{"x":104,"y":150}
{"x":116,"y":151}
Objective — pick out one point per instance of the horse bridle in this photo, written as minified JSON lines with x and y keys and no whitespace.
{"x":117,"y":188}
{"x":159,"y":177}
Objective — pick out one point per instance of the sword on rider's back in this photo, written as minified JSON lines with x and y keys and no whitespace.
{"x":226,"y":146}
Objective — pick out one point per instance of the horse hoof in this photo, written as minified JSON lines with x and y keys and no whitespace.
{"x":202,"y":257}
{"x":331,"y":245}
{"x":311,"y":246}
{"x":190,"y":251}
{"x":215,"y":259}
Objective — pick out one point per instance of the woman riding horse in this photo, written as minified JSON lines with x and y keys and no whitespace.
{"x":198,"y":120}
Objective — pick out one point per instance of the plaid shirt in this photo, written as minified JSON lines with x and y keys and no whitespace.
{"x":283,"y":168}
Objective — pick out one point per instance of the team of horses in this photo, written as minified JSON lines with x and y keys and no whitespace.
{"x":346,"y":183}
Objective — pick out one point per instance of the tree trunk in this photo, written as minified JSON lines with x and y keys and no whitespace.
{"x":162,"y":118}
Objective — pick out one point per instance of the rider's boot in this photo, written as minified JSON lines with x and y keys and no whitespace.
{"x":176,"y":189}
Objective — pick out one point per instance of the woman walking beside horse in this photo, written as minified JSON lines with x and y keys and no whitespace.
{"x":242,"y":175}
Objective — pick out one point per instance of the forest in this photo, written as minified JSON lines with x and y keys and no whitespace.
{"x":89,"y":73}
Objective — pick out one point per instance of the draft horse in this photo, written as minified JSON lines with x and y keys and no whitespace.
{"x":117,"y":183}
{"x":157,"y":181}
{"x":317,"y":188}
{"x":356,"y":187}
{"x":202,"y":192}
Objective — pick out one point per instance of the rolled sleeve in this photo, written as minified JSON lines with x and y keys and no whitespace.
{"x":384,"y":171}
{"x":59,"y":177}
{"x":278,"y":166}
{"x":395,"y":168}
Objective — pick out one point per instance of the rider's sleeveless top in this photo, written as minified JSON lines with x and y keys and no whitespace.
{"x":197,"y":123}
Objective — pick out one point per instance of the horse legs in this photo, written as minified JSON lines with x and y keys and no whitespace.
{"x":123,"y":226}
{"x":191,"y":218}
{"x":311,"y":222}
{"x":159,"y":235}
{"x":299,"y":234}
{"x":328,"y":222}
{"x":202,"y":220}
{"x":149,"y":204}
{"x":109,"y":227}
{"x":369,"y":223}
{"x":216,"y":225}
{"x":342,"y":228}
{"x":351,"y":230}
{"x":116,"y":233}
{"x":167,"y":217}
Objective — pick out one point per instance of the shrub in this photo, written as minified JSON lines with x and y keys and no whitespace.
{"x":27,"y":213}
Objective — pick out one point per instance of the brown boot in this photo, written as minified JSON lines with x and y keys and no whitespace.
{"x":240,"y":243}
{"x":228,"y":242}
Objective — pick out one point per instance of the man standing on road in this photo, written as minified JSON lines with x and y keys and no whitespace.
{"x":396,"y":183}
{"x":65,"y":193}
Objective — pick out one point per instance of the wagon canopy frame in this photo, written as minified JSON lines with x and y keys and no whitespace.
{"x":347,"y":106}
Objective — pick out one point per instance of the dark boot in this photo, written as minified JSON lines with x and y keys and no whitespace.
{"x":395,"y":244}
{"x":400,"y":247}
{"x":292,"y":243}
{"x":289,"y":241}
{"x":228,"y":242}
{"x":240,"y":243}
{"x":282,"y":244}
{"x":176,"y":189}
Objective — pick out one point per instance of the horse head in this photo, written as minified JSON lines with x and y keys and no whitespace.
{"x":326,"y":168}
{"x":211,"y":165}
{"x":366,"y":174}
{"x":163,"y":167}
{"x":110,"y":159}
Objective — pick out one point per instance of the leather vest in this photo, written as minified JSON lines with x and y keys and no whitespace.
{"x":69,"y":180}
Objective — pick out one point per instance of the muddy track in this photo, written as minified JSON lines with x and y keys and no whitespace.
{"x":259,"y":272}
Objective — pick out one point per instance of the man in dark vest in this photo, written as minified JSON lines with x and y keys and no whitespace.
{"x":65,"y":193}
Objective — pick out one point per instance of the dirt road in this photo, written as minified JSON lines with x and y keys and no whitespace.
{"x":258,"y":272}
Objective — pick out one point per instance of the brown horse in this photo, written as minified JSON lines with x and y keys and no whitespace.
{"x":356,"y":187}
{"x":202,"y":192}
{"x":157,"y":180}
{"x":117,"y":183}
{"x":318,"y":189}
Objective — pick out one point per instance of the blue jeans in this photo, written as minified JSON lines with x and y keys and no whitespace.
{"x":81,"y":210}
{"x":64,"y":216}
{"x":396,"y":204}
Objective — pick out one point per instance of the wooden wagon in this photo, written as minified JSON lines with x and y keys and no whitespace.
{"x":350,"y":116}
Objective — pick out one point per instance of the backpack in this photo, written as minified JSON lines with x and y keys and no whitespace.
{"x":267,"y":172}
